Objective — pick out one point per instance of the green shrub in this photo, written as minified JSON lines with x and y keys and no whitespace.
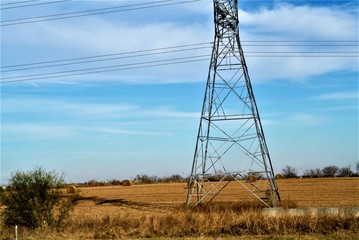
{"x":34,"y":198}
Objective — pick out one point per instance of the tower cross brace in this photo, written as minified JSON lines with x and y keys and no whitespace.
{"x":230,"y":147}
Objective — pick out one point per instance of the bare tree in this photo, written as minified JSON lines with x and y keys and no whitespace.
{"x":345,"y":172}
{"x":174,"y":178}
{"x":330,"y":171}
{"x":313,"y":173}
{"x":289,"y":172}
{"x":146,"y":179}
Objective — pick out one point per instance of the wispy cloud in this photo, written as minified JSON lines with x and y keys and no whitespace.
{"x":36,"y":131}
{"x":302,"y":22}
{"x":299,"y":23}
{"x":62,"y":107}
{"x":170,"y":113}
{"x":304,"y":120}
{"x":119,"y":131}
{"x":61,"y":119}
{"x":78,"y":108}
{"x":61,"y":131}
{"x":337,"y":96}
{"x":283,"y":22}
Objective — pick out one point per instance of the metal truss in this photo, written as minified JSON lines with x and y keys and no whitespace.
{"x":231,"y":146}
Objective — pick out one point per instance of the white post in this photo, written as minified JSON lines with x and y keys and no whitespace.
{"x":16,"y":232}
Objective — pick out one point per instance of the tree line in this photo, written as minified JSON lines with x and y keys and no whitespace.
{"x":139,"y":179}
{"x":327,"y":171}
{"x":286,"y":172}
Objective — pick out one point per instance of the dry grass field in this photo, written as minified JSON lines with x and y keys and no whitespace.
{"x":156,"y":210}
{"x":305,"y":193}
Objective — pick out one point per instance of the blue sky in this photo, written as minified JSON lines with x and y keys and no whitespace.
{"x":144,"y":121}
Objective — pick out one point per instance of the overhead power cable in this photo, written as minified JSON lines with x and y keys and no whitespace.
{"x":68,"y":61}
{"x":105,"y":67}
{"x":154,"y":63}
{"x":302,"y":43}
{"x":353,"y":55}
{"x":106,"y":57}
{"x":122,"y":67}
{"x":114,"y":68}
{"x":83,"y":13}
{"x":248,"y":54}
{"x":17,"y":2}
{"x":34,"y":4}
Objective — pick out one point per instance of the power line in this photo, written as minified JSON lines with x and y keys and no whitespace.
{"x":35,"y":4}
{"x":129,"y":66}
{"x":92,"y":12}
{"x":120,"y":68}
{"x":106,"y":59}
{"x":130,"y":54}
{"x":11,"y":3}
{"x":299,"y":45}
{"x":105,"y":67}
{"x":303,"y":52}
{"x":157,"y":51}
{"x":300,"y":41}
{"x":261,"y":54}
{"x":196,"y":45}
{"x":306,"y":56}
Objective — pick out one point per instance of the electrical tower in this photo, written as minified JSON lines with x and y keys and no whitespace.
{"x":230,"y":147}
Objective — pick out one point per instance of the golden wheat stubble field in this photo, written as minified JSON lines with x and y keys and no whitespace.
{"x":156,"y":211}
{"x":305,"y":193}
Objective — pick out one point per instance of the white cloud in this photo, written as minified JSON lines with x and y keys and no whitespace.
{"x":337,"y":96}
{"x":67,"y":41}
{"x":202,"y":7}
{"x":304,"y":120}
{"x":100,"y":35}
{"x":63,"y":107}
{"x":72,"y":108}
{"x":302,"y":23}
{"x":119,"y":131}
{"x":299,"y":23}
{"x":36,"y":131}
{"x":294,"y":120}
{"x":170,"y":113}
{"x":53,"y":131}
{"x":61,"y":119}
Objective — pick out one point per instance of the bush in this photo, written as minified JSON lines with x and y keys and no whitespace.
{"x":34,"y":198}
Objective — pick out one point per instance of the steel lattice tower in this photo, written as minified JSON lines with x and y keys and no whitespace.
{"x":230,"y":143}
